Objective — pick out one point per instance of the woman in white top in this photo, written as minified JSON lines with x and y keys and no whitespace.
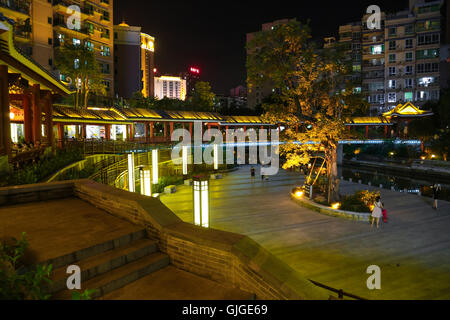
{"x":377,"y":212}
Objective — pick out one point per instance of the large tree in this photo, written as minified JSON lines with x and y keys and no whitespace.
{"x":312,"y":92}
{"x":202,"y":98}
{"x":79,"y":64}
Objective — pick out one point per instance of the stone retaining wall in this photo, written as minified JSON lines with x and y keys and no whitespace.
{"x":228,"y":258}
{"x":329,"y":211}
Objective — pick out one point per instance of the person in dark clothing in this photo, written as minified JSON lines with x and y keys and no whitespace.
{"x":436,"y":191}
{"x":252,"y":172}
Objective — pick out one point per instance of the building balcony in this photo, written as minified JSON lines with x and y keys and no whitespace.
{"x":60,"y":26}
{"x":61,"y":6}
{"x":16,"y":8}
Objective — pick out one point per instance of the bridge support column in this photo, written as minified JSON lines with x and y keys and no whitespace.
{"x":385,"y":131}
{"x":107,"y":132}
{"x":171,"y":130}
{"x":165,"y":131}
{"x":60,"y":135}
{"x":5,"y":120}
{"x":37,"y":115}
{"x":49,"y":120}
{"x":28,"y":118}
{"x":151,"y":131}
{"x":367,"y":132}
{"x":190,"y":130}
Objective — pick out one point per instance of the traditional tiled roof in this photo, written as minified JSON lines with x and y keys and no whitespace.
{"x":406,"y":110}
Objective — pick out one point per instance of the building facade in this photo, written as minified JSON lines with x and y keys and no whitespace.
{"x":192,"y":76}
{"x":256,"y":95}
{"x":43,"y":25}
{"x":134,"y":61}
{"x":398,"y":62}
{"x":170,"y":87}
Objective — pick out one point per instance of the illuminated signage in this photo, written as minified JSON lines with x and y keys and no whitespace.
{"x":195,"y":70}
{"x":147,"y":42}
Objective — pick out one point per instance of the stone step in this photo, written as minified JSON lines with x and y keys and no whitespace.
{"x":85,"y":253}
{"x":104,"y":262}
{"x":120,"y":277}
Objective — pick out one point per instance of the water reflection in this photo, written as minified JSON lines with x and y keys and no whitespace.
{"x":397,"y":182}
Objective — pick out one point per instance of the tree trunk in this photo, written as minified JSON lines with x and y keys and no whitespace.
{"x":333,"y":181}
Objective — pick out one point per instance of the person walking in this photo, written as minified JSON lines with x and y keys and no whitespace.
{"x":252,"y":172}
{"x":436,"y":191}
{"x":377,"y":212}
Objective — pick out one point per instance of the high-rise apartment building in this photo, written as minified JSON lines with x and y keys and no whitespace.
{"x":256,"y":95}
{"x":33,"y":29}
{"x":43,"y":25}
{"x":400,"y":60}
{"x":134,"y":61}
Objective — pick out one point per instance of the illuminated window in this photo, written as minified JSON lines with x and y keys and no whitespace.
{"x":408,"y":96}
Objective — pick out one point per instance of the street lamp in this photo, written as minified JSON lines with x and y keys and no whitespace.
{"x":201,"y":201}
{"x":185,"y":160}
{"x":146,"y":182}
{"x":131,"y":181}
{"x":155,"y":166}
{"x":216,"y":156}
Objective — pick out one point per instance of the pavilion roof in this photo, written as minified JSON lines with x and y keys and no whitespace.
{"x":406,"y":110}
{"x":94,"y":116}
{"x":368,"y":121}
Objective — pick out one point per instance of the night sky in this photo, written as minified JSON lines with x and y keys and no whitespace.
{"x":211,"y":35}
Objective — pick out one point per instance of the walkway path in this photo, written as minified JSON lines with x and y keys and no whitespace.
{"x":412,"y":250}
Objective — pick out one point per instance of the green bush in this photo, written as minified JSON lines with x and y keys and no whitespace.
{"x":361,"y":201}
{"x":43,"y":168}
{"x":18,"y":281}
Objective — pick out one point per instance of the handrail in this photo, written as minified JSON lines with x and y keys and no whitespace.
{"x":341,"y":293}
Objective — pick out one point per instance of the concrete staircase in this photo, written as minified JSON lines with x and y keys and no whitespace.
{"x":108,"y":266}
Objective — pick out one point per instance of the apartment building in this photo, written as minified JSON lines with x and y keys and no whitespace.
{"x":94,"y":32}
{"x":134,"y":61}
{"x":42,"y":25}
{"x":33,"y":30}
{"x":256,"y":95}
{"x":400,"y":61}
{"x":350,"y":37}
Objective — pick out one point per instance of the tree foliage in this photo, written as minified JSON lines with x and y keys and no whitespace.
{"x":80,"y":65}
{"x":202,"y":98}
{"x":311,"y":92}
{"x":18,"y":281}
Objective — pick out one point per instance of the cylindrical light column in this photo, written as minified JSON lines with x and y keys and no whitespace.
{"x":201,"y":202}
{"x":216,"y":156}
{"x":131,"y":180}
{"x":185,"y":160}
{"x":155,"y":160}
{"x":146,"y":182}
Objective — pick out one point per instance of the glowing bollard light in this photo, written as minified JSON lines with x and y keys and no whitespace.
{"x":185,"y":160}
{"x":155,"y":166}
{"x":131,"y":181}
{"x":216,"y":157}
{"x":201,"y":202}
{"x":146,"y":182}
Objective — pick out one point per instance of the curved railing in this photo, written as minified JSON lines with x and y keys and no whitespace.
{"x":96,"y":162}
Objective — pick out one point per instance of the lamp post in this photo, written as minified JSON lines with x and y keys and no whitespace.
{"x":131,"y":181}
{"x":185,"y":160}
{"x":146,"y":182}
{"x":216,"y":156}
{"x":201,"y":201}
{"x":155,"y":157}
